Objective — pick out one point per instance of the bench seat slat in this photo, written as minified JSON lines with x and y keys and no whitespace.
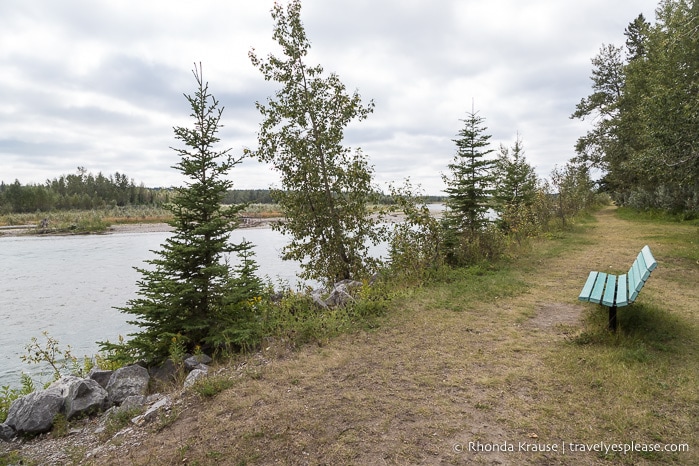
{"x":638,"y":283}
{"x":632,"y":278}
{"x":622,"y":292}
{"x":633,"y":294}
{"x":645,"y":273}
{"x":609,"y":291}
{"x":596,"y":295}
{"x":650,"y":261}
{"x":587,"y":289}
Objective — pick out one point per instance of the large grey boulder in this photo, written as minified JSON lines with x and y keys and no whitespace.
{"x":340,"y":295}
{"x":84,"y":397}
{"x":200,"y":372}
{"x":166,"y":372}
{"x":7,"y":433}
{"x":193,"y":362}
{"x":80,"y":396}
{"x":101,"y":376}
{"x":127,"y":381}
{"x":34,"y":413}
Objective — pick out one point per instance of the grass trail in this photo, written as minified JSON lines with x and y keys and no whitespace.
{"x":496,"y":358}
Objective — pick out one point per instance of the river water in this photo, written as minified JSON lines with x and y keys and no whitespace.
{"x":69,"y":286}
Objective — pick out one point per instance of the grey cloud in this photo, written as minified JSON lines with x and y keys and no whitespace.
{"x":128,"y":63}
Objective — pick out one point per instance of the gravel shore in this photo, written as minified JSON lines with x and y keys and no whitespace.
{"x":24,"y":230}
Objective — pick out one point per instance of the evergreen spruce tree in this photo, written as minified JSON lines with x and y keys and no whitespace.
{"x":515,"y":192}
{"x":515,"y":179}
{"x":470,"y":185}
{"x":189,"y":297}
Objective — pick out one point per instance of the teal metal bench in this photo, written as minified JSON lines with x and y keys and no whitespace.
{"x":617,"y":291}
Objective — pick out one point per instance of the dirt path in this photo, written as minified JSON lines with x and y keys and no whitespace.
{"x":440,"y":379}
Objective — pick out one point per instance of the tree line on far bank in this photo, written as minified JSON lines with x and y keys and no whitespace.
{"x":85,"y":191}
{"x":81,"y":190}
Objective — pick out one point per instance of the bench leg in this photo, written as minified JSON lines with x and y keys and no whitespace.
{"x":612,"y":318}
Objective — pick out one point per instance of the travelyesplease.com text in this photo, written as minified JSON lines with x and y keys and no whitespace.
{"x":569,"y":447}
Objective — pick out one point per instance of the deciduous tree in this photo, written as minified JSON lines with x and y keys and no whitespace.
{"x":326,"y":187}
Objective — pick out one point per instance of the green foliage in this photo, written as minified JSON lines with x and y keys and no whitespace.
{"x":469,"y":185}
{"x":208,"y":387}
{"x":77,"y":191}
{"x":468,"y":233}
{"x":184,"y":294}
{"x":244,"y":297}
{"x":13,"y":458}
{"x":298,"y":320}
{"x":60,"y":426}
{"x":573,"y":187}
{"x":8,"y":395}
{"x":515,"y":190}
{"x":487,"y":244}
{"x":326,"y":186}
{"x":60,"y":360}
{"x":115,"y":355}
{"x":646,"y":127}
{"x":656,"y":216}
{"x":415,"y":244}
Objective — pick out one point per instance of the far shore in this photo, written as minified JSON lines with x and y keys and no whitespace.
{"x":251,"y":222}
{"x":148,"y":227}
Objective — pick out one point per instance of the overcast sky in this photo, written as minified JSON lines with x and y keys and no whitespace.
{"x":100,"y":84}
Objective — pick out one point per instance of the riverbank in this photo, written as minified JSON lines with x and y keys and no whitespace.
{"x":489,"y":366}
{"x":248,"y":222}
{"x":125,"y":228}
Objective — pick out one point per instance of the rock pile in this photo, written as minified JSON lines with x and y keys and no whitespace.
{"x":100,"y":391}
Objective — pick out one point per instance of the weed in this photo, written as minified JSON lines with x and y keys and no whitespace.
{"x":208,"y":387}
{"x":60,"y":426}
{"x":49,"y":353}
{"x":167,"y":418}
{"x":8,"y":395}
{"x":117,"y":419}
{"x":13,"y":458}
{"x":213,"y":454}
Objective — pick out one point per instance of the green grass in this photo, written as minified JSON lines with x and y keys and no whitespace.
{"x":210,"y":386}
{"x":14,"y":458}
{"x":117,"y":420}
{"x":657,"y":216}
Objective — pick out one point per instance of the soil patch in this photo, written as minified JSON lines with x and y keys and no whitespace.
{"x":556,"y":315}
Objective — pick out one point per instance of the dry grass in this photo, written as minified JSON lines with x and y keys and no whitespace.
{"x":499,"y":357}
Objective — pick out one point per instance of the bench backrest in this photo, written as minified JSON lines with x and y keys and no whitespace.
{"x":639,"y":272}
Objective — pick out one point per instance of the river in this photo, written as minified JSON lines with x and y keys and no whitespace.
{"x":69,"y":286}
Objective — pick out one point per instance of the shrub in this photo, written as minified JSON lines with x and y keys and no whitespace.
{"x":8,"y":395}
